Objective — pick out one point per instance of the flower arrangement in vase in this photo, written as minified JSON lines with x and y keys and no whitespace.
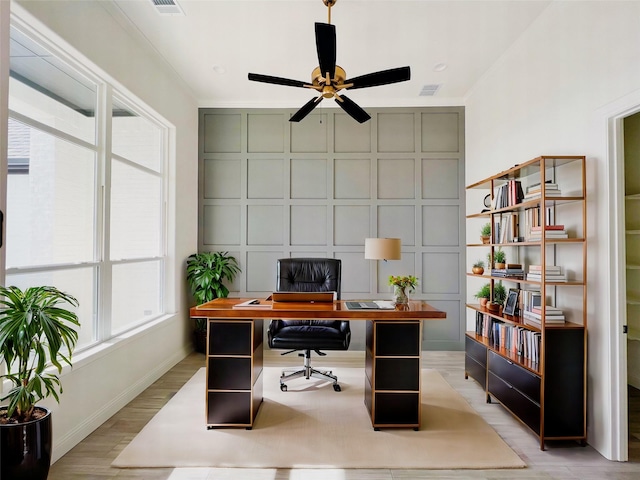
{"x":402,"y":287}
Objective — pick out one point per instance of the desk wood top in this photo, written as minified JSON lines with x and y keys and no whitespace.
{"x":223,"y":308}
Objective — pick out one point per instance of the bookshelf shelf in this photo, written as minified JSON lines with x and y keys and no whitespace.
{"x":507,"y":354}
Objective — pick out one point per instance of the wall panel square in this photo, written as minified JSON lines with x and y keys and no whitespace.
{"x":441,"y":272}
{"x":222,"y":133}
{"x":265,"y":178}
{"x":351,"y":224}
{"x":355,"y":272}
{"x":396,"y":132}
{"x":352,"y":178}
{"x":440,"y":132}
{"x":222,"y":178}
{"x":265,"y":133}
{"x":396,"y":178}
{"x":310,"y":135}
{"x":440,"y":178}
{"x":440,"y":225}
{"x":264,"y":225}
{"x":308,"y":178}
{"x":397,"y":221}
{"x":404,"y":266}
{"x":308,"y":225}
{"x":350,"y":136}
{"x":221,"y":225}
{"x":261,"y":271}
{"x":448,"y":331}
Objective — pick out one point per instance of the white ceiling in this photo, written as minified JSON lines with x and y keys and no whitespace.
{"x":218,"y":42}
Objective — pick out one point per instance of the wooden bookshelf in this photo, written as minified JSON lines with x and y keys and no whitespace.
{"x":543,"y":384}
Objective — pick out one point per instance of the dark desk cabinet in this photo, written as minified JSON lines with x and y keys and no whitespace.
{"x":392,"y":383}
{"x":234,"y":372}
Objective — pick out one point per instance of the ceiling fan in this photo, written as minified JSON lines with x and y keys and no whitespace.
{"x":329,"y":79}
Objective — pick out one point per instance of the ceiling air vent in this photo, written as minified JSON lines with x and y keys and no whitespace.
{"x":429,"y":90}
{"x":167,"y":7}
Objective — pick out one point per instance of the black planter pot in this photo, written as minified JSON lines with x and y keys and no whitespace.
{"x":25,"y":449}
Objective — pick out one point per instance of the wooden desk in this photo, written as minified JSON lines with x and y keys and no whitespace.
{"x":235,"y":360}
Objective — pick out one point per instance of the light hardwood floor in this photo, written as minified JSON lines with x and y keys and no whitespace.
{"x":91,"y":459}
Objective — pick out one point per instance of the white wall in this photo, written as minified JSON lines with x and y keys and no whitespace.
{"x":545,"y":96}
{"x":99,"y":385}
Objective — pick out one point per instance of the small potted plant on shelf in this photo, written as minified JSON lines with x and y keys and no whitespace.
{"x":206,"y":273}
{"x":402,"y":287}
{"x":35,"y":334}
{"x":499,"y":296}
{"x":485,"y":233}
{"x":499,"y":259}
{"x":484,"y":294}
{"x":478,"y":267}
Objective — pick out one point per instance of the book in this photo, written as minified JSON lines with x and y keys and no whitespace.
{"x":549,"y":278}
{"x":547,"y":269}
{"x":536,"y":186}
{"x":547,"y":318}
{"x":253,"y":303}
{"x":538,"y":228}
{"x":549,"y":311}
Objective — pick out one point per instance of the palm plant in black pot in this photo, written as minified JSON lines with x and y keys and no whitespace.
{"x":206,"y":273}
{"x":35,"y":333}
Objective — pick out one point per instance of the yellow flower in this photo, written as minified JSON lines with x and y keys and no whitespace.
{"x":403,"y":282}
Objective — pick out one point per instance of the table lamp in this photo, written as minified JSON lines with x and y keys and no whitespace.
{"x":382,"y":249}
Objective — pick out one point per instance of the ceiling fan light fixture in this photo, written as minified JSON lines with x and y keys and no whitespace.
{"x":328,"y":78}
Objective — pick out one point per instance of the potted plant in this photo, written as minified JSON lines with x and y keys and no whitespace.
{"x":485,"y":233}
{"x":206,"y":273}
{"x":499,"y":296}
{"x":34,"y":332}
{"x":499,"y":258}
{"x":484,"y":294}
{"x":478,"y":267}
{"x":402,"y":287}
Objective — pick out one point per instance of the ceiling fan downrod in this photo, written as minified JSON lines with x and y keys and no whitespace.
{"x":329,"y":4}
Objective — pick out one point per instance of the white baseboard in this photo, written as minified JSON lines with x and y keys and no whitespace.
{"x":107,"y":410}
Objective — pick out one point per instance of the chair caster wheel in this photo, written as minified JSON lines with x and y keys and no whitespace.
{"x":336,"y":387}
{"x":283,"y":387}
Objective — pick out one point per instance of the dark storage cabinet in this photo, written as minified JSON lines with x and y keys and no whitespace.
{"x":392,"y":381}
{"x":234,"y":372}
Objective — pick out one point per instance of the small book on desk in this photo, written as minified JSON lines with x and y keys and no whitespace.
{"x":253,"y":303}
{"x":370,"y":305}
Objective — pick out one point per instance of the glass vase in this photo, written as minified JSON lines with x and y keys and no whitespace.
{"x":400,"y":296}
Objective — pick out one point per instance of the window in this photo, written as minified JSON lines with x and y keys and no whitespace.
{"x":85,"y":212}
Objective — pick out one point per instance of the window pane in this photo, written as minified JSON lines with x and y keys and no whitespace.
{"x":46,"y":89}
{"x":136,"y":294}
{"x":79,"y":282}
{"x":50,"y":202}
{"x":136,"y":212}
{"x":135,"y":138}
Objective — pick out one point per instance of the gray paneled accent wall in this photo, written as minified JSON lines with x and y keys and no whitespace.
{"x":269,"y":189}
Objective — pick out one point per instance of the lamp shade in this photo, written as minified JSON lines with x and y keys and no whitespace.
{"x":382,"y":248}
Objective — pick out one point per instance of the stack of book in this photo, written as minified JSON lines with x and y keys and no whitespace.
{"x":552,"y":273}
{"x":535,"y":191}
{"x":508,"y":194}
{"x":552,"y":316}
{"x":550,"y":232}
{"x":518,"y":340}
{"x":512,"y":270}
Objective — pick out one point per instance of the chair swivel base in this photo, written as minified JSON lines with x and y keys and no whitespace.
{"x":307,"y":371}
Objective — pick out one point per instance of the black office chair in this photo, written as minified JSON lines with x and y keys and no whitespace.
{"x":309,"y":275}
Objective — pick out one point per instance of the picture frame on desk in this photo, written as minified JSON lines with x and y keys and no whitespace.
{"x":511,"y":303}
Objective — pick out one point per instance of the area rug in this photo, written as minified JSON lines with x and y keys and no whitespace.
{"x":311,"y":426}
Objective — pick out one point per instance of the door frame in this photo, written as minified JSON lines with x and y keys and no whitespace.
{"x":612,"y":117}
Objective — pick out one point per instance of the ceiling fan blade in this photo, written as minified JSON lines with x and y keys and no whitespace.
{"x":306,"y":109}
{"x":352,"y":108}
{"x":383,"y":77}
{"x":256,"y":77}
{"x":326,"y":46}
